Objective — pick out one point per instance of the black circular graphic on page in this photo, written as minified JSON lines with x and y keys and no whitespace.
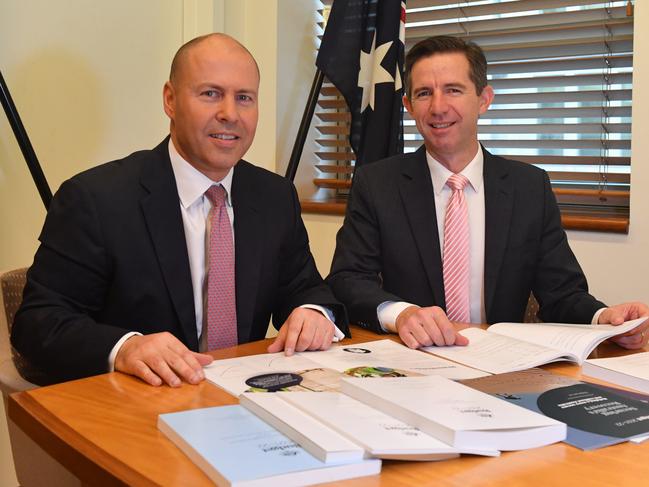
{"x":274,"y":381}
{"x":356,"y":350}
{"x":591,"y":409}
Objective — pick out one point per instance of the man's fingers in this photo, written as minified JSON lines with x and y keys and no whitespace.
{"x":305,"y":334}
{"x":278,"y":344}
{"x":318,"y":337}
{"x":448,"y":331}
{"x":408,"y":339}
{"x":292,"y":335}
{"x":159,"y":358}
{"x":328,"y":338}
{"x":142,"y":370}
{"x":160,"y":367}
{"x":186,"y":366}
{"x":203,"y":359}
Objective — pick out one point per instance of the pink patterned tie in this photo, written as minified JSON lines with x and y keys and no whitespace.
{"x":221,"y":299}
{"x":456,"y":252}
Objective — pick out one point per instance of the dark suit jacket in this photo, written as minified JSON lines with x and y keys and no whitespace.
{"x":388,"y":248}
{"x":113,"y":258}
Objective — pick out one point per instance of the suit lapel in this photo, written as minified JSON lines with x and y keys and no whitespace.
{"x":164,"y":221}
{"x":416,"y":191}
{"x":499,"y":197}
{"x":249,"y":235}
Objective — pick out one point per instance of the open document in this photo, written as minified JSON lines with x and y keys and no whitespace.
{"x":507,"y":347}
{"x":322,"y":371}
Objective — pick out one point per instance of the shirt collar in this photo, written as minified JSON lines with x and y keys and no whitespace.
{"x":192,"y":183}
{"x":440,"y":174}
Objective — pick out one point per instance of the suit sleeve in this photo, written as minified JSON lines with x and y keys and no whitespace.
{"x":560,"y":285}
{"x":356,"y":268}
{"x":56,"y":328}
{"x":300,"y":282}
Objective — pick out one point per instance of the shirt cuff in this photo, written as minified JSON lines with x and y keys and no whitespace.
{"x":388,"y":312}
{"x":596,"y":316}
{"x":338,"y":335}
{"x":113,"y":353}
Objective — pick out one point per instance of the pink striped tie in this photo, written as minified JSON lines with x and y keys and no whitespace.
{"x":221,"y":298}
{"x":456,"y":252}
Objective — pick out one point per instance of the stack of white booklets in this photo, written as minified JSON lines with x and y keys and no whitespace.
{"x":407,"y":418}
{"x":236,"y":448}
{"x":628,"y":371}
{"x":456,"y":414}
{"x":508,"y":347}
{"x":325,"y":423}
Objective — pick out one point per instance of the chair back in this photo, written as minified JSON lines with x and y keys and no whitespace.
{"x":13,"y":367}
{"x":532,"y":311}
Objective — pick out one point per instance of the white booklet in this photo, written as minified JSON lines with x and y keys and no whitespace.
{"x":324,"y":443}
{"x":628,"y":371}
{"x":235,"y":448}
{"x":323,"y":370}
{"x":456,"y":414}
{"x":382,"y":436}
{"x":508,"y":347}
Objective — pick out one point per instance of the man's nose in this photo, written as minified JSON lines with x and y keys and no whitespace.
{"x":227,"y":110}
{"x":438,"y":103}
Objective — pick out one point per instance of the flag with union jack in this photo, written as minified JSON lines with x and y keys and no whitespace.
{"x":362,"y":54}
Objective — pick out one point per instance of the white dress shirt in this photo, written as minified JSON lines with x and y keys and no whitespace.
{"x":194,"y":208}
{"x":474,"y":195}
{"x":388,"y":311}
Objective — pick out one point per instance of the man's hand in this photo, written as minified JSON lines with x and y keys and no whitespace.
{"x":618,"y":314}
{"x":161,"y":357}
{"x":304,"y":329}
{"x":422,"y":327}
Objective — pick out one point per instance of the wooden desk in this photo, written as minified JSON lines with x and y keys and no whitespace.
{"x":103,"y":430}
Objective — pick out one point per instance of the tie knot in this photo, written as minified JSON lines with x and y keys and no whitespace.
{"x":216,"y":195}
{"x":457,"y":182}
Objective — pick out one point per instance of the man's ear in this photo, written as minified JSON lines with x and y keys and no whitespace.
{"x":407,"y":104}
{"x":486,"y":97}
{"x":169,"y":99}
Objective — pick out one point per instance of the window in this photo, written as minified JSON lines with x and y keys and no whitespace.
{"x":562,"y":73}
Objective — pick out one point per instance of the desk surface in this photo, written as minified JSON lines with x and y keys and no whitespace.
{"x":103,"y":430}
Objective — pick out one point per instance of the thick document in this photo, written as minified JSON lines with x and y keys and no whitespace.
{"x":596,"y":416}
{"x":508,"y":347}
{"x":322,"y":371}
{"x":326,"y":444}
{"x":235,"y":448}
{"x":376,"y":433}
{"x":456,"y":414}
{"x":628,"y":371}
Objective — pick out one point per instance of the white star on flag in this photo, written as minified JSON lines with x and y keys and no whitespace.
{"x":372,"y":73}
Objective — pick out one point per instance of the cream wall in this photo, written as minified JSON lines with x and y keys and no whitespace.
{"x":87,"y":78}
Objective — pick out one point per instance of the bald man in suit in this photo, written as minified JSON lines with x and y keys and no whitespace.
{"x":119,"y":280}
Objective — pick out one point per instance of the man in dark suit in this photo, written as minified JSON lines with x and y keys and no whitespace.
{"x":390,"y":267}
{"x":120,"y":279}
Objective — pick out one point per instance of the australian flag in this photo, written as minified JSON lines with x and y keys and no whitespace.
{"x":362,"y":54}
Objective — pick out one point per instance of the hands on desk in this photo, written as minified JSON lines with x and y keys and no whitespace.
{"x":422,"y":327}
{"x":161,"y":357}
{"x":304,"y":329}
{"x":618,"y":314}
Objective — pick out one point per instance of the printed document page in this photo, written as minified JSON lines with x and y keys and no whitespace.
{"x":496,"y":353}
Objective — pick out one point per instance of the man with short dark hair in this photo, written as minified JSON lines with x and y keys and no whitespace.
{"x":146,"y":260}
{"x":451,"y":234}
